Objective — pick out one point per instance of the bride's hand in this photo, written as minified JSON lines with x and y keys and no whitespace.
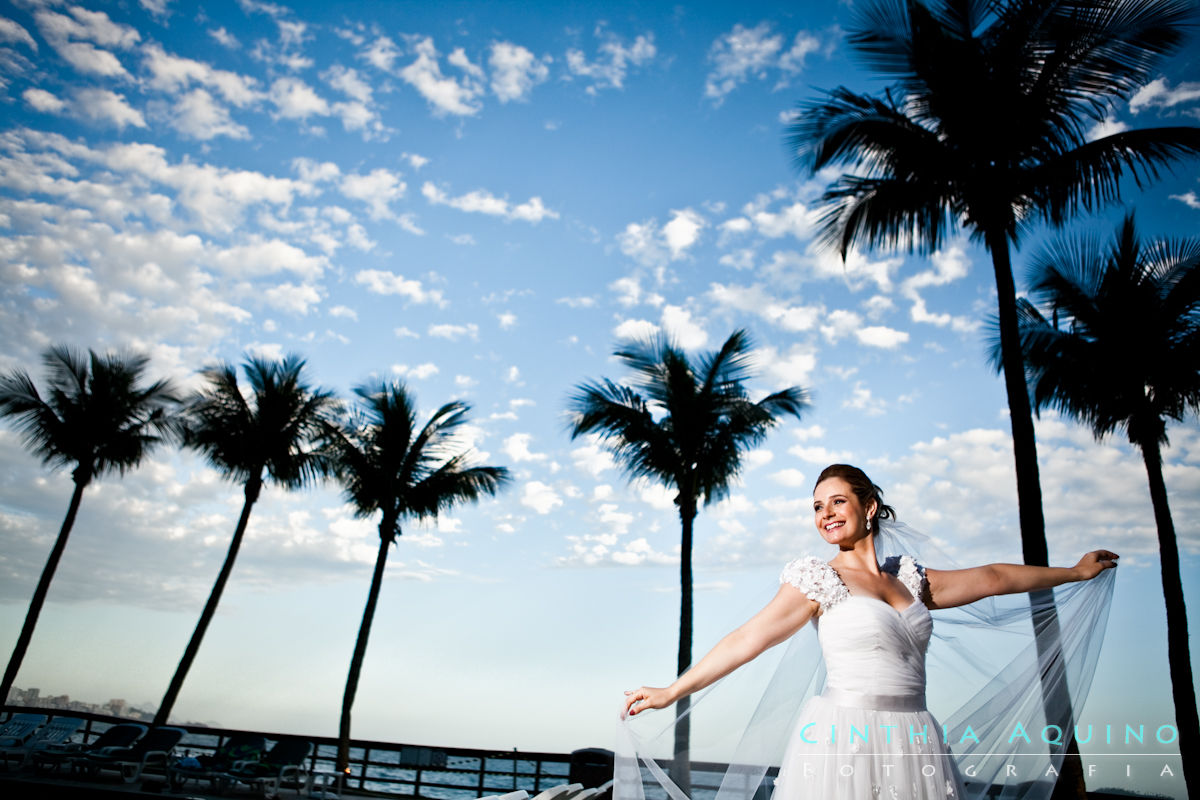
{"x":638,"y":700}
{"x":1096,"y":562}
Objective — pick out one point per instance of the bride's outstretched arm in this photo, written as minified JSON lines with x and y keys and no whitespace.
{"x":957,"y":587}
{"x":784,"y":615}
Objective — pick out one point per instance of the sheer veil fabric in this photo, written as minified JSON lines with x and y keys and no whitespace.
{"x":1005,"y":700}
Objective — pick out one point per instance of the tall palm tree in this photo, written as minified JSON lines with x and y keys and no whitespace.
{"x":985,"y":125}
{"x":388,"y":466}
{"x":1121,"y":351}
{"x":97,"y":417}
{"x":271,"y":435}
{"x":687,"y":431}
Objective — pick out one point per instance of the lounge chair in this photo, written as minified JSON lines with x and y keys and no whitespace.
{"x":560,"y":792}
{"x":153,"y":748}
{"x":283,"y":762}
{"x":122,"y":735}
{"x":19,"y":728}
{"x":240,"y":747}
{"x":519,"y":794}
{"x":54,"y":733}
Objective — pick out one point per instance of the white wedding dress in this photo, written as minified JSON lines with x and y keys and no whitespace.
{"x":868,"y":734}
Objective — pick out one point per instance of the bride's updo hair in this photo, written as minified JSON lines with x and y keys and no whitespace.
{"x":863,"y":488}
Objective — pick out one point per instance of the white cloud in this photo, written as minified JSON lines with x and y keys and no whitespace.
{"x":377,"y":189}
{"x":14,"y":33}
{"x":225,"y":38}
{"x":881,"y":336}
{"x":1159,"y":94}
{"x":756,"y":300}
{"x":344,"y":311}
{"x":677,"y":322}
{"x":515,"y":71}
{"x":384,"y":282}
{"x":861,"y":399}
{"x":482,"y":201}
{"x":682,"y":231}
{"x":612,"y":62}
{"x":507,"y":320}
{"x":43,"y":101}
{"x":635,"y":329}
{"x":101,"y":105}
{"x":1187,"y":198}
{"x":1106,"y":127}
{"x":74,"y":38}
{"x":790,"y":368}
{"x":269,"y":256}
{"x":516,"y":447}
{"x":540,"y":497}
{"x":949,"y":265}
{"x":419,"y":372}
{"x":652,"y":246}
{"x":295,"y":298}
{"x":198,"y":116}
{"x":447,"y":95}
{"x":738,"y":55}
{"x":171,"y":73}
{"x":454,"y":332}
{"x":593,"y":458}
{"x":791,"y":478}
{"x":295,"y":99}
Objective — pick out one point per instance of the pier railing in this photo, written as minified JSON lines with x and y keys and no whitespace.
{"x":438,"y":773}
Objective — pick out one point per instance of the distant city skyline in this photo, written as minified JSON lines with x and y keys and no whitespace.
{"x":485,"y":200}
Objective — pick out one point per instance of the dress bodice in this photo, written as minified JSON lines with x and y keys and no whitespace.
{"x":868,"y":646}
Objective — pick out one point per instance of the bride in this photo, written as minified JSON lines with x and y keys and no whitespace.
{"x":868,"y":734}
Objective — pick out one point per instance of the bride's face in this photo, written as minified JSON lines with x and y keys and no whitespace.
{"x":837,"y":512}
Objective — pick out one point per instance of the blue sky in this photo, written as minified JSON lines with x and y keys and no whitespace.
{"x":483,"y":200}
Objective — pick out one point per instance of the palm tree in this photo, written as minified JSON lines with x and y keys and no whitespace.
{"x":274,"y":431}
{"x":986,"y":125}
{"x":387,"y":465}
{"x":96,"y":418}
{"x":1121,"y":351}
{"x":688,"y":432}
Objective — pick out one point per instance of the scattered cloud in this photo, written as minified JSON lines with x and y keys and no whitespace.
{"x":383,"y":282}
{"x":744,"y":54}
{"x":609,"y":67}
{"x":458,"y":96}
{"x":515,"y":71}
{"x":1159,"y":94}
{"x":481,"y":201}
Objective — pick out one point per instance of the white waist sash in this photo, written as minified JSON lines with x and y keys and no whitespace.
{"x":875,"y":702}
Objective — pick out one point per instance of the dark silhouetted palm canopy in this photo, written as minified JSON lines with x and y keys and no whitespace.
{"x":272,"y":434}
{"x":985,"y":125}
{"x":684,"y":425}
{"x":96,"y":418}
{"x":387,"y":465}
{"x":1121,"y":352}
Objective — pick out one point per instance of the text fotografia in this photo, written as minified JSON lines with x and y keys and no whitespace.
{"x":1021,"y":752}
{"x":1018,"y":734}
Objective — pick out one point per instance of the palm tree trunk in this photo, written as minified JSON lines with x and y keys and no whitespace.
{"x":1029,"y":508}
{"x":43,"y":588}
{"x":681,"y":766}
{"x":253,"y":487}
{"x":1178,"y":655}
{"x":360,"y":646}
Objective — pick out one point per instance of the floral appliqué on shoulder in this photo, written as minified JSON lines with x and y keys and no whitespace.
{"x":910,"y":573}
{"x":816,"y":579}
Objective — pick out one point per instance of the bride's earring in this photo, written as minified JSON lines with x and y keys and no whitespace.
{"x":868,"y":524}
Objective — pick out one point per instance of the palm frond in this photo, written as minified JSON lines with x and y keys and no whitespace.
{"x":1089,"y":176}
